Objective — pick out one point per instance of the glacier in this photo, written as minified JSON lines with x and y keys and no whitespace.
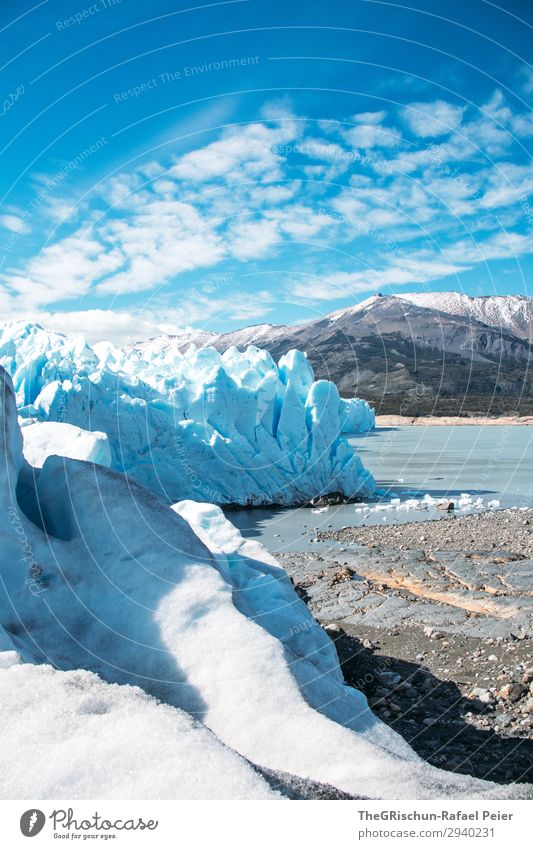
{"x":111,"y":599}
{"x":357,"y":416}
{"x":231,"y":428}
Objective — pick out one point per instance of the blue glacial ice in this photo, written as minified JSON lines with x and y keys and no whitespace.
{"x":225,"y":428}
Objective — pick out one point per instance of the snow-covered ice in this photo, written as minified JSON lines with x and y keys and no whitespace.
{"x":43,"y":439}
{"x":70,"y":735}
{"x":99,"y":574}
{"x":225,"y":428}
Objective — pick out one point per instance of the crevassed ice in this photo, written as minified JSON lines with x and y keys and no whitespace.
{"x":225,"y":428}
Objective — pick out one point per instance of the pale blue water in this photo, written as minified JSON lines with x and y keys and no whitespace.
{"x":488,"y":462}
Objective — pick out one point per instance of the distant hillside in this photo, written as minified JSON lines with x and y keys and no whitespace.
{"x":416,"y":354}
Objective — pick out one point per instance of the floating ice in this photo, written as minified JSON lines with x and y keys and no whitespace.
{"x":465,"y":504}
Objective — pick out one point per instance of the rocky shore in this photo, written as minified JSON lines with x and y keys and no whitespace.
{"x":434,"y":622}
{"x":509,"y":530}
{"x":428,"y":421}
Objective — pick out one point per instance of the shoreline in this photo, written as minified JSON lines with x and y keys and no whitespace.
{"x":430,"y":421}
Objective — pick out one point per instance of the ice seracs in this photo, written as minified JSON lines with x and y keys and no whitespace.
{"x":357,"y":416}
{"x":227,"y":428}
{"x":99,"y":574}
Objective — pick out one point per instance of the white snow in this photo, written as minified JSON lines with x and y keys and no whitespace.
{"x":43,"y":439}
{"x":362,"y":306}
{"x":69,"y":735}
{"x":183,"y":607}
{"x":513,"y":313}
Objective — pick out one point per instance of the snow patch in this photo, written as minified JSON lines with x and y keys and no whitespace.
{"x":69,"y":735}
{"x":43,"y":439}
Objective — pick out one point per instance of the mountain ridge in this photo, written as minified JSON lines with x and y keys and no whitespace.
{"x":402,"y":353}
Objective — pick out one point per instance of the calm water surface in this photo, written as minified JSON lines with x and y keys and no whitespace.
{"x":488,"y":462}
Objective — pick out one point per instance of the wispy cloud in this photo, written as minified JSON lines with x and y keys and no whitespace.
{"x":419,"y":205}
{"x":402,"y":272}
{"x":15,"y":224}
{"x":123,"y":327}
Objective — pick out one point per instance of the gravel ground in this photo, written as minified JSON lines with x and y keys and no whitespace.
{"x":475,"y":718}
{"x":433,"y":621}
{"x":502,"y":529}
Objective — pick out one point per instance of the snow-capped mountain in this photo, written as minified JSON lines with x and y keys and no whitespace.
{"x":512,"y":313}
{"x":443,"y":352}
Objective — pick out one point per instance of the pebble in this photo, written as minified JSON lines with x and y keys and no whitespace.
{"x":512,"y":692}
{"x":433,"y":634}
{"x":501,"y":529}
{"x":482,"y":695}
{"x":333,"y":628}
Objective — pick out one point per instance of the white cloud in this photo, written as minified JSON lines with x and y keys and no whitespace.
{"x":242,"y":198}
{"x":122,"y":328}
{"x":504,"y":245}
{"x":253,"y":239}
{"x":370,"y":117}
{"x":65,"y":269}
{"x":433,"y":119}
{"x":14,"y":224}
{"x":160,"y":240}
{"x":105,"y":325}
{"x":242,"y":154}
{"x":507,"y":185}
{"x":401,"y":272}
{"x":527,"y":76}
{"x":369,"y":136}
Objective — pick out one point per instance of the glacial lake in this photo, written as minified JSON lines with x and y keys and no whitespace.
{"x":488,"y":464}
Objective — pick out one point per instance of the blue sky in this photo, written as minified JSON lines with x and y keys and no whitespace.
{"x":216,"y":165}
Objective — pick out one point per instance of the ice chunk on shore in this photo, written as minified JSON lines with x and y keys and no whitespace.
{"x":466,"y":504}
{"x":226,"y":428}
